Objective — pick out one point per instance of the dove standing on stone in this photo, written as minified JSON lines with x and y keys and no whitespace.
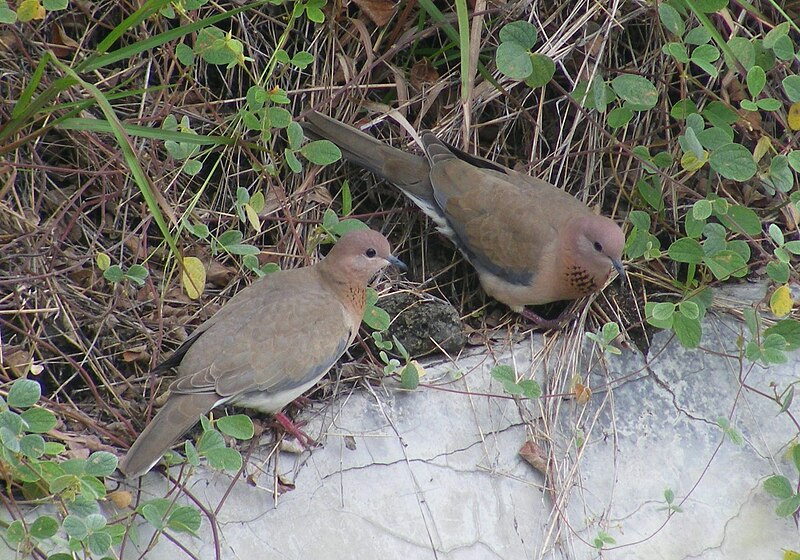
{"x":267,"y":345}
{"x":531,"y":242}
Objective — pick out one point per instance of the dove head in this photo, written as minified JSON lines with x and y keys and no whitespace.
{"x":359,"y":255}
{"x":596,"y":246}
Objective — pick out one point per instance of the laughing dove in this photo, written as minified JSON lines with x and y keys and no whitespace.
{"x":531,"y":242}
{"x":270,"y":343}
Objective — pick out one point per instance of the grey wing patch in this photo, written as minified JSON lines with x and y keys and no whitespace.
{"x":246,"y":379}
{"x":484,"y":264}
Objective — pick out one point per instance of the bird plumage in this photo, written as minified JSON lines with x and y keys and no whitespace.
{"x":267,"y":345}
{"x":530,"y":242}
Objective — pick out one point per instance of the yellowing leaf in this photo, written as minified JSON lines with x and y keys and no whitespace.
{"x":420,"y":370}
{"x":781,"y":301}
{"x":762,"y":147}
{"x":193,"y":278}
{"x":103,"y":261}
{"x":252,"y":217}
{"x":794,"y":116}
{"x":29,"y":10}
{"x":690,"y":162}
{"x":791,"y":555}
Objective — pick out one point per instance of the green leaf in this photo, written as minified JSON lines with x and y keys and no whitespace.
{"x":689,"y":143}
{"x":212,"y":46}
{"x":321,"y":152}
{"x":725,"y":264}
{"x":743,"y":50}
{"x":54,"y":5}
{"x":302,"y":59}
{"x":768,"y":104}
{"x":24,"y":393}
{"x":543,"y":71}
{"x":376,"y":318}
{"x":520,"y":32}
{"x":513,"y":60}
{"x":636,"y":90}
{"x":8,"y":16}
{"x":75,"y":527}
{"x":99,"y":543}
{"x":788,"y":506}
{"x":294,"y":133}
{"x":677,"y":51}
{"x":507,"y":377}
{"x":31,"y":446}
{"x":697,"y":36}
{"x":230,"y":237}
{"x":651,"y":194}
{"x":671,"y":19}
{"x":639,"y":219}
{"x":44,"y":527}
{"x":686,"y":250}
{"x":184,"y":519}
{"x":794,"y":160}
{"x":780,"y":30}
{"x":100,"y":463}
{"x":789,"y":330}
{"x":778,"y":271}
{"x":225,"y":459}
{"x":279,"y":117}
{"x":791,"y":85}
{"x":137,"y":273}
{"x":619,"y":117}
{"x":409,"y":377}
{"x":714,"y":137}
{"x":682,"y":108}
{"x":209,"y":441}
{"x":238,"y":426}
{"x":710,"y":6}
{"x":663,"y":311}
{"x":719,"y":114}
{"x":733,"y":161}
{"x":689,"y":309}
{"x":185,"y":54}
{"x":701,"y":210}
{"x":114,"y":274}
{"x":38,"y":420}
{"x":688,"y":330}
{"x":15,"y":532}
{"x":741,"y":219}
{"x":784,"y":48}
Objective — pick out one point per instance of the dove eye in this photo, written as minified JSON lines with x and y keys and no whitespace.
{"x":370,"y":252}
{"x":598,"y":247}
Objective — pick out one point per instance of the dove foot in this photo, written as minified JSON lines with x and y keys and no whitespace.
{"x":540,"y":323}
{"x":293,"y":429}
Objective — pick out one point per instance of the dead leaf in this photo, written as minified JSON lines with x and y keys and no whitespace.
{"x":120,"y":498}
{"x":423,"y":73}
{"x":379,"y":11}
{"x":350,"y":443}
{"x":18,"y":360}
{"x":61,"y":44}
{"x":219,"y":274}
{"x":136,"y":354}
{"x":534,"y":455}
{"x":582,"y":393}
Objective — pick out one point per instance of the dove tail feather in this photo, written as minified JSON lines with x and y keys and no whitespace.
{"x":180,"y":413}
{"x":408,"y":172}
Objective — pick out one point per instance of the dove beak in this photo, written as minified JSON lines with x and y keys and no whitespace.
{"x":617,"y":264}
{"x":394,"y":261}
